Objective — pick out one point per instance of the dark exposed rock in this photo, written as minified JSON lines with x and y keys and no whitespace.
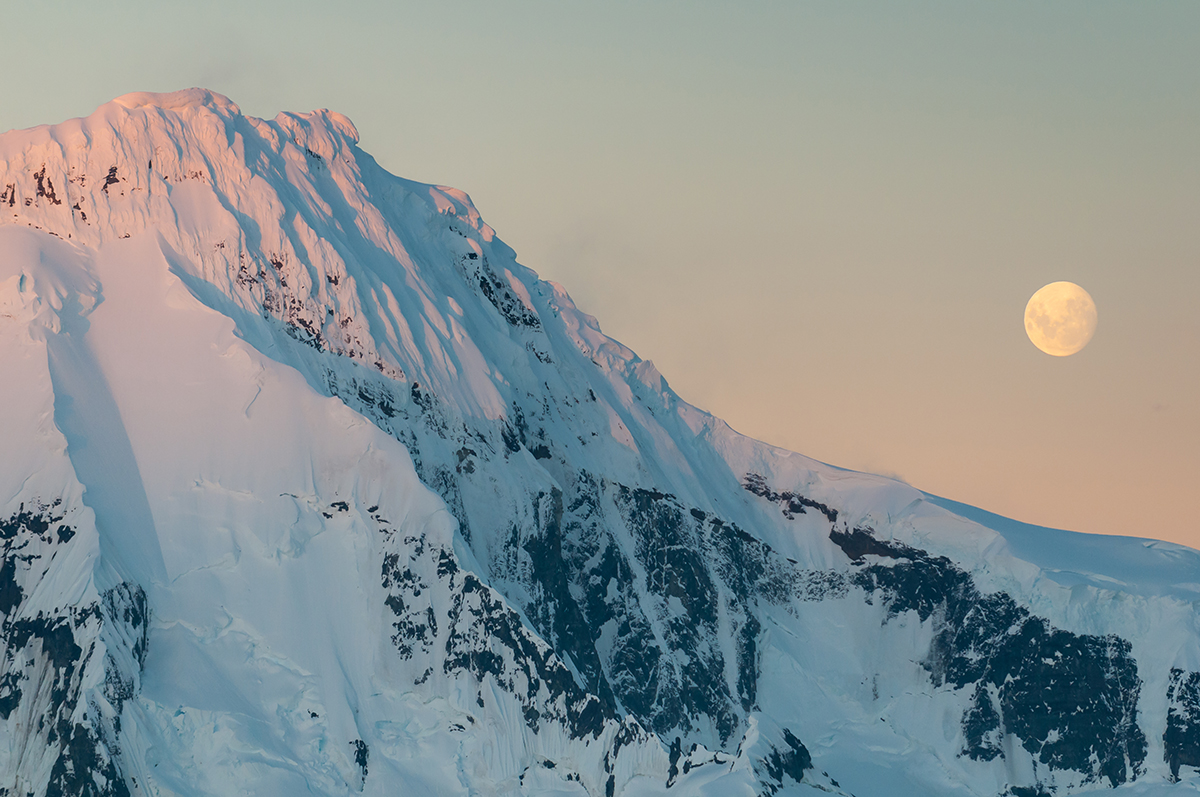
{"x":362,"y":754}
{"x":789,"y":761}
{"x":1181,"y":740}
{"x":85,"y":767}
{"x":46,"y":655}
{"x":792,"y":503}
{"x":45,"y":188}
{"x":10,"y":693}
{"x":416,"y":626}
{"x":555,"y":612}
{"x":111,"y":179}
{"x":674,"y":754}
{"x":982,"y":725}
{"x":858,"y":543}
{"x":662,"y":658}
{"x":1071,"y":699}
{"x":667,"y":547}
{"x":10,"y":592}
{"x":503,"y":298}
{"x":488,"y":639}
{"x":511,"y":440}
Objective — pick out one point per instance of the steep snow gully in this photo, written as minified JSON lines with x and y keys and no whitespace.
{"x":308,"y":487}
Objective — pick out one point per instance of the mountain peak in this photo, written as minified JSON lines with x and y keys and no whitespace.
{"x":177,"y":100}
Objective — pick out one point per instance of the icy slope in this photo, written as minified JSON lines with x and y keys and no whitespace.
{"x":280,"y":538}
{"x":363,"y":505}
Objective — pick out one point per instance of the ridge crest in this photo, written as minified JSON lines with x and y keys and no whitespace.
{"x":176,"y":100}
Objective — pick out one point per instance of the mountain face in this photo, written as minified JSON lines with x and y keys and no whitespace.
{"x":308,"y":487}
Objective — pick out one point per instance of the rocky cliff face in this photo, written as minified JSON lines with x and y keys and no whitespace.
{"x":312,"y":487}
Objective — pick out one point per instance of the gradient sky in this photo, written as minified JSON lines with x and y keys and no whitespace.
{"x":822,"y":221}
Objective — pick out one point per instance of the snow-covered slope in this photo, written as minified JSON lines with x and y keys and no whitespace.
{"x":310,"y":487}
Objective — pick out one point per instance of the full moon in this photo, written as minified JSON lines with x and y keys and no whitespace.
{"x":1060,"y":318}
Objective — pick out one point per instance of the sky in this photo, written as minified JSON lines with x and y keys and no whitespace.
{"x":821,"y":220}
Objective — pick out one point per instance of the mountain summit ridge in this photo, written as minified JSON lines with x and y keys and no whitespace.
{"x":315,"y":488}
{"x":175,"y":100}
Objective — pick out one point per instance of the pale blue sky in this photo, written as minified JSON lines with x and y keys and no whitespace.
{"x":822,"y":221}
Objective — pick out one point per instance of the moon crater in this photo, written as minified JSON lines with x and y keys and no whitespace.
{"x":1060,"y":318}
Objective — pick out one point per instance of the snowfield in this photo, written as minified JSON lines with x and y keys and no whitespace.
{"x":308,"y":487}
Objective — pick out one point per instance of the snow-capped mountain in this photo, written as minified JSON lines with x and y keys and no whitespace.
{"x":308,"y":487}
